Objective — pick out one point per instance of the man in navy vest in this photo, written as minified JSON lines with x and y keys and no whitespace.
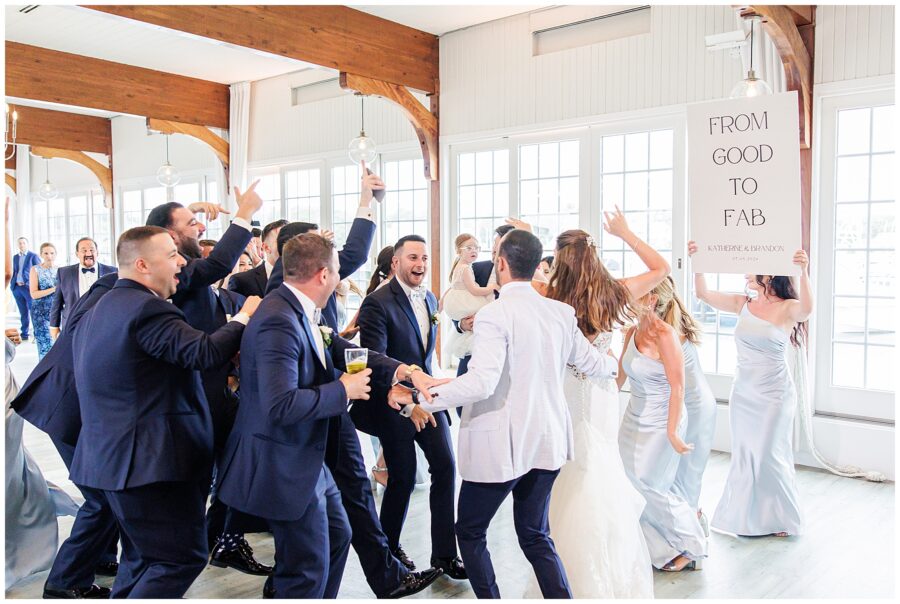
{"x":146,"y":437}
{"x":195,"y":297}
{"x":291,"y":384}
{"x":400,"y":320}
{"x":21,"y":277}
{"x":49,"y":401}
{"x":74,"y":281}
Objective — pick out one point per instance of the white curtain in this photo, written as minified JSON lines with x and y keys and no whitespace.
{"x":766,"y":60}
{"x":22,"y":205}
{"x":238,"y":136}
{"x":222,"y":195}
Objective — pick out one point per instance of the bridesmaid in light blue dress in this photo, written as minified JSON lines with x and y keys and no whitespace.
{"x":651,"y":441}
{"x":760,"y":496}
{"x":699,"y":402}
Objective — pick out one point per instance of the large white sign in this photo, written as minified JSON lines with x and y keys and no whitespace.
{"x":744,"y":174}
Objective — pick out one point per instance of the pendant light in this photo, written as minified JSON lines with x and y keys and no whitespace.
{"x":362,"y":148}
{"x":167,"y":175}
{"x":47,"y":191}
{"x":750,"y":86}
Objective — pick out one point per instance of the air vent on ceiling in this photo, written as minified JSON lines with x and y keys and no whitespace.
{"x":28,"y":8}
{"x":317,"y":91}
{"x":562,"y":28}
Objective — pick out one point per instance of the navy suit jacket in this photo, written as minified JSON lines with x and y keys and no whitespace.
{"x":354,"y":254}
{"x":223,"y":403}
{"x":250,"y":283}
{"x":67,"y":292}
{"x":387,"y":324}
{"x":482,"y":270}
{"x":193,"y":295}
{"x":30,"y":259}
{"x":277,"y":446}
{"x":147,"y":421}
{"x":48,"y":399}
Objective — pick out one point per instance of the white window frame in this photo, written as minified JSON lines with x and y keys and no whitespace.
{"x":65,"y":251}
{"x":877,"y":406}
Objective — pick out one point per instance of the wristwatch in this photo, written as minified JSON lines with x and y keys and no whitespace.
{"x":412,"y":369}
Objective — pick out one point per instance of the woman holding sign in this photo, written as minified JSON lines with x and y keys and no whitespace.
{"x":760,"y":496}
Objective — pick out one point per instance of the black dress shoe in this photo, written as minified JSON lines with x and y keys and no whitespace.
{"x":413,"y":583}
{"x":94,"y":592}
{"x":452,"y":567}
{"x":239,"y":559}
{"x":107,"y":569}
{"x":401,"y":555}
{"x":268,"y":590}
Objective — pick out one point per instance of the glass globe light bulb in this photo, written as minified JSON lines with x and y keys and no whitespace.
{"x":751,"y":86}
{"x":48,"y":191}
{"x":362,"y":148}
{"x":168,"y":175}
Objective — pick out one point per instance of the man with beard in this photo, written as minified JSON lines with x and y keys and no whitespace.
{"x":196,"y":299}
{"x":74,"y":281}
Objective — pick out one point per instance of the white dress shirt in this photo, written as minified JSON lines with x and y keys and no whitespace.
{"x":269,"y":269}
{"x":87,"y":279}
{"x":309,"y":309}
{"x":515,"y":417}
{"x":420,"y":309}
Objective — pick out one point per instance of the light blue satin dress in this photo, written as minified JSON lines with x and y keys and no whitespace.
{"x":700,"y":406}
{"x":760,"y":496}
{"x":670,"y":524}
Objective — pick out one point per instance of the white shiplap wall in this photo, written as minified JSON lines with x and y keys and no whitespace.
{"x":853,"y":42}
{"x":282,"y":131}
{"x":490,"y":81}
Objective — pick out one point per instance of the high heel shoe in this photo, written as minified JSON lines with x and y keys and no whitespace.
{"x":671,"y":567}
{"x":704,"y":523}
{"x":379,"y":475}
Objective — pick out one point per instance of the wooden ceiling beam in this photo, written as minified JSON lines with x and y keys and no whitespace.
{"x":63,"y":130}
{"x":332,"y":36}
{"x":58,"y":77}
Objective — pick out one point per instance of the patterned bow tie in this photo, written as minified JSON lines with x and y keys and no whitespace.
{"x":417,"y":294}
{"x":317,"y":316}
{"x":88,"y":270}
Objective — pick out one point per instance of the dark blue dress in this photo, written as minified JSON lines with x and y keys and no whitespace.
{"x":40,"y":310}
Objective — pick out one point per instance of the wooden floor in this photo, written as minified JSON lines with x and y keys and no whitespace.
{"x":847,"y":550}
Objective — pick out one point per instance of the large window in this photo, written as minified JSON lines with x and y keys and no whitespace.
{"x":68,"y":218}
{"x":405,"y":208}
{"x":856,"y":353}
{"x":482,"y":193}
{"x":302,"y":199}
{"x":548,"y":188}
{"x":345,"y":183}
{"x":636,"y":174}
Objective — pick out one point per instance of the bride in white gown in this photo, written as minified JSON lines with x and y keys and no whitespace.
{"x":594,"y":509}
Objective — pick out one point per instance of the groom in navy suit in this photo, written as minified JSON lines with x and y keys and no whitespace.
{"x":146,"y":438}
{"x":399,"y":320}
{"x":19,"y":284}
{"x":291,"y":384}
{"x":74,"y":281}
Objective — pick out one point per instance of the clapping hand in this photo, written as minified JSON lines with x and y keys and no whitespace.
{"x":615,"y":223}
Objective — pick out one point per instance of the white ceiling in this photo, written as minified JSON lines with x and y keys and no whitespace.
{"x":442,"y":19}
{"x":94,"y":34}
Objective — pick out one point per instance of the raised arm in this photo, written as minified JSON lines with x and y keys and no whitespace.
{"x":803,"y":309}
{"x":719,"y":300}
{"x":672,"y":357}
{"x":638,"y":285}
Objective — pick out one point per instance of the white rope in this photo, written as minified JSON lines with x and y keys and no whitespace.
{"x":798,"y":360}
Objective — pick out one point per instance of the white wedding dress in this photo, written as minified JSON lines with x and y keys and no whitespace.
{"x":594,"y":509}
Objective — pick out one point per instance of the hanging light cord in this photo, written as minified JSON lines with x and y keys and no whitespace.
{"x":362,"y":112}
{"x":167,"y":149}
{"x":751,"y":44}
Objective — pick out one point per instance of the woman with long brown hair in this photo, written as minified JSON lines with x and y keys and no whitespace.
{"x":594,"y":509}
{"x":760,"y":496}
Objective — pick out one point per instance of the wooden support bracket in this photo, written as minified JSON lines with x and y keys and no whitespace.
{"x":103,"y":174}
{"x":215,"y":142}
{"x":780,"y":24}
{"x":424,"y":121}
{"x":11,"y":182}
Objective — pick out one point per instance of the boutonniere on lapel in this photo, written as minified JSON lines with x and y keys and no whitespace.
{"x":326,"y":335}
{"x":435,"y":318}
